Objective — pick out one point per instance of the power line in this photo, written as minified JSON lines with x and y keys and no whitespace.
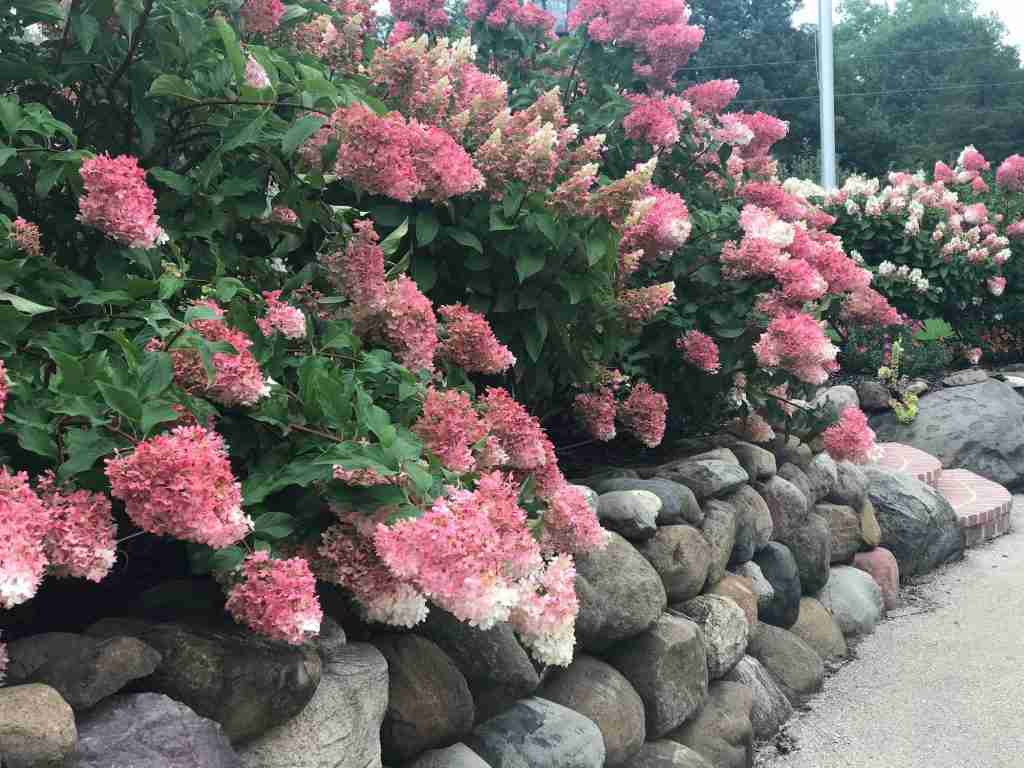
{"x":884,"y":93}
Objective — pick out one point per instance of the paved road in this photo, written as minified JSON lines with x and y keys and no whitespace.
{"x":939,"y":685}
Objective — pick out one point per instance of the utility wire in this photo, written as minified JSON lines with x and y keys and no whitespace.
{"x":885,"y":93}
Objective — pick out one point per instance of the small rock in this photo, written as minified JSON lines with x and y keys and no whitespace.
{"x":763,"y":588}
{"x":678,"y":504}
{"x":724,"y":629}
{"x":823,"y":475}
{"x":741,"y":592}
{"x":870,"y":530}
{"x":707,"y":478}
{"x":882,"y":565}
{"x":758,"y":462}
{"x":798,"y":478}
{"x":429,"y":703}
{"x":151,"y":730}
{"x":718,"y":453}
{"x":455,"y":756}
{"x":966,"y":378}
{"x":818,"y":628}
{"x":620,"y":595}
{"x":28,"y":654}
{"x":779,"y":567}
{"x":633,"y":514}
{"x":839,"y":398}
{"x":770,"y":707}
{"x":874,"y":396}
{"x":919,"y":387}
{"x":668,"y":754}
{"x":721,"y":732}
{"x":793,"y":664}
{"x":536,"y":733}
{"x":37,"y":727}
{"x":1014,"y":381}
{"x":598,"y":692}
{"x":753,"y":523}
{"x":811,"y":546}
{"x":786,"y":503}
{"x":854,"y":599}
{"x":844,"y":525}
{"x":851,"y":485}
{"x":720,"y":531}
{"x":791,"y":451}
{"x":682,"y":557}
{"x":668,"y":667}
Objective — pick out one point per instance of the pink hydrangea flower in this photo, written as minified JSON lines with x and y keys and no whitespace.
{"x":570,"y":523}
{"x":797,"y":343}
{"x":975,"y":214}
{"x":638,"y":306}
{"x":655,"y":119}
{"x":763,"y":224}
{"x":359,"y":271}
{"x":262,"y":16}
{"x":81,"y":537}
{"x":996,"y":285}
{"x":281,"y":317}
{"x":26,"y":237}
{"x":712,"y":96}
{"x":973,"y":355}
{"x":643,"y":414}
{"x":867,"y":306}
{"x":942,"y":172}
{"x":596,"y":412}
{"x":180,"y":484}
{"x":700,"y":350}
{"x":753,"y":257}
{"x":971,"y":159}
{"x":545,"y":618}
{"x":1015,"y":230}
{"x":499,"y":14}
{"x":767,"y":130}
{"x":426,"y":14}
{"x":1010,"y":174}
{"x":449,"y":428}
{"x":851,"y":439}
{"x":282,"y":214}
{"x":24,"y":520}
{"x":519,"y":433}
{"x":4,"y":389}
{"x":255,"y":75}
{"x":658,"y":224}
{"x":406,"y":324}
{"x":118,"y":202}
{"x":752,"y":427}
{"x":276,"y":598}
{"x":773,"y":197}
{"x":800,"y":281}
{"x":471,"y":344}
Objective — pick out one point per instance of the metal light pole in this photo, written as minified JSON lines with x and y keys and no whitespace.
{"x":826,"y":94}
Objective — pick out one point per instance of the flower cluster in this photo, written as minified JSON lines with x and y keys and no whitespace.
{"x":81,"y":535}
{"x":655,"y":119}
{"x":700,"y":350}
{"x":596,"y":413}
{"x":281,"y":318}
{"x":420,"y":14}
{"x":262,"y":17}
{"x":545,"y":617}
{"x":26,"y":238}
{"x":255,"y":75}
{"x":797,"y":343}
{"x":4,"y":389}
{"x":24,"y":520}
{"x":358,"y":272}
{"x":118,"y":202}
{"x":470,"y":343}
{"x":851,"y":439}
{"x":450,"y":428}
{"x":657,"y":224}
{"x":638,"y":306}
{"x":1010,"y":175}
{"x":643,"y":414}
{"x":338,"y":41}
{"x":713,"y":96}
{"x":499,"y":14}
{"x":405,"y":324}
{"x":276,"y":598}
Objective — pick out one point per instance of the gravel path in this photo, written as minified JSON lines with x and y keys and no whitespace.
{"x":939,"y":685}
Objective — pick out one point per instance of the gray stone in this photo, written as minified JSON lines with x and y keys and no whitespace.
{"x":874,"y":396}
{"x":599,"y":692}
{"x":819,"y":629}
{"x":790,"y":450}
{"x":668,"y":754}
{"x":633,"y":514}
{"x":455,"y":756}
{"x":966,"y":378}
{"x":682,"y":557}
{"x":721,"y":732}
{"x":37,"y":727}
{"x":707,"y":478}
{"x":870,"y":530}
{"x":798,"y":478}
{"x":771,"y":709}
{"x":753,"y":523}
{"x":678,"y":503}
{"x":608,"y":473}
{"x":496,"y":667}
{"x":151,"y":730}
{"x":854,"y":599}
{"x":786,"y":503}
{"x":838,"y":398}
{"x":429,"y":703}
{"x":758,"y":462}
{"x":537,"y":733}
{"x":94,"y":669}
{"x":811,"y":546}
{"x":762,"y":588}
{"x":26,"y":655}
{"x":246,"y":683}
{"x":620,"y":595}
{"x":793,"y":664}
{"x":779,"y":567}
{"x":718,"y":453}
{"x":724,"y":628}
{"x":920,"y":386}
{"x":978,"y":427}
{"x":667,"y":666}
{"x":918,"y":525}
{"x":341,"y":725}
{"x":851,"y":485}
{"x":720,"y":531}
{"x":823,"y":474}
{"x":738,"y":590}
{"x":844,"y":525}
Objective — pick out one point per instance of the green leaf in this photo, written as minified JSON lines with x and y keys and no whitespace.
{"x":534,"y":335}
{"x":423,"y":271}
{"x":199,"y":312}
{"x":273,"y":477}
{"x":85,"y":28}
{"x":427,"y":227}
{"x":155,"y":374}
{"x":227,"y":559}
{"x":10,"y":115}
{"x":175,"y":181}
{"x":228,"y":288}
{"x":468,"y":239}
{"x":548,"y":227}
{"x":231,"y":46}
{"x":37,"y":439}
{"x":596,"y":248}
{"x":24,"y":305}
{"x":83,"y":448}
{"x":72,"y":374}
{"x":157,"y":413}
{"x":48,"y":178}
{"x":122,"y":400}
{"x":6,"y":153}
{"x":529,"y":263}
{"x":172,"y":85}
{"x":391,"y":243}
{"x":301,"y":130}
{"x":250,"y":133}
{"x":273,"y":525}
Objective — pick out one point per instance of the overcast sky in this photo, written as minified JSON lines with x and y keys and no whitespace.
{"x":1011,"y":12}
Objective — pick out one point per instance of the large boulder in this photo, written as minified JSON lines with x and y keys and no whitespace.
{"x":682,"y":557}
{"x":28,"y":654}
{"x":787,"y":504}
{"x":838,"y":398}
{"x":978,"y":427}
{"x":851,"y":486}
{"x":791,"y":450}
{"x":823,"y":475}
{"x":497,"y":669}
{"x":884,"y":569}
{"x":874,"y":395}
{"x":633,"y":514}
{"x":870,"y":530}
{"x":620,"y":595}
{"x":720,"y":531}
{"x":678,"y":503}
{"x":844,"y":525}
{"x":854,"y":599}
{"x":341,"y":725}
{"x":707,"y":478}
{"x":770,"y":707}
{"x":668,"y":754}
{"x":599,"y":692}
{"x":37,"y":727}
{"x":724,"y":628}
{"x":753,"y":523}
{"x":151,"y":730}
{"x":918,"y":525}
{"x":721,"y":732}
{"x":739,"y":590}
{"x":811,"y":545}
{"x":668,"y":667}
{"x":778,"y":566}
{"x":758,"y":462}
{"x":819,"y":629}
{"x":799,"y":479}
{"x":429,"y":703}
{"x":794,"y":665}
{"x":455,"y":756}
{"x":246,"y":683}
{"x":763,"y":589}
{"x":540,"y":734}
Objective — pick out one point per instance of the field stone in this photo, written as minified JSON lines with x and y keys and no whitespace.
{"x":793,"y":664}
{"x":870,"y":530}
{"x":720,"y":531}
{"x":620,"y":595}
{"x":763,"y":589}
{"x":884,"y":569}
{"x":739,"y":590}
{"x":874,"y":396}
{"x":966,"y":378}
{"x":753,"y":523}
{"x":791,"y":450}
{"x":844,"y":525}
{"x":722,"y":732}
{"x":26,"y":655}
{"x":429,"y":703}
{"x":707,"y":478}
{"x":537,"y":733}
{"x":851,"y":488}
{"x":779,"y":568}
{"x":455,"y":756}
{"x":724,"y":629}
{"x":818,"y":628}
{"x":855,"y":600}
{"x":811,"y":547}
{"x":682,"y":557}
{"x":678,"y":503}
{"x":787,"y":504}
{"x":798,"y":478}
{"x":37,"y":727}
{"x":668,"y":754}
{"x":758,"y":462}
{"x":822,"y":474}
{"x":839,"y":397}
{"x":667,"y":666}
{"x":770,"y":708}
{"x":599,"y":692}
{"x":633,"y":514}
